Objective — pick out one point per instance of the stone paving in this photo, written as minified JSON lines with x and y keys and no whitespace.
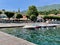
{"x":6,"y":39}
{"x":5,"y":25}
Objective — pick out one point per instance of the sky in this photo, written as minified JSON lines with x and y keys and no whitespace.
{"x":24,"y":4}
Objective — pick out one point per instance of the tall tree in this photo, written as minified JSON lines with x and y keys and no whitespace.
{"x":33,"y":18}
{"x":32,"y":10}
{"x":9,"y":14}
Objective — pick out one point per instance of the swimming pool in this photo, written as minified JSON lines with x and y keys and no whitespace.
{"x":39,"y":36}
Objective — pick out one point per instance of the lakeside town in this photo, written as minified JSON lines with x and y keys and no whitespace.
{"x":31,"y":15}
{"x":28,"y":26}
{"x":31,"y":22}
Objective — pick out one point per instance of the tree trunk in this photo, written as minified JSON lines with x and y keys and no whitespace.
{"x":8,"y":18}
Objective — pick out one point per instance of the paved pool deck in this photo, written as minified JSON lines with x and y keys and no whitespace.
{"x":13,"y":25}
{"x":8,"y":25}
{"x":6,"y":39}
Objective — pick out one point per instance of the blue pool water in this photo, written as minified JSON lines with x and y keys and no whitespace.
{"x":39,"y":36}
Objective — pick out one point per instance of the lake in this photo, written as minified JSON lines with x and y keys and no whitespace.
{"x":42,"y":36}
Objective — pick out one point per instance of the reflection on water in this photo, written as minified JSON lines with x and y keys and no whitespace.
{"x":39,"y":36}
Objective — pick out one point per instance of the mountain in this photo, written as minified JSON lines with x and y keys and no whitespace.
{"x":46,"y":8}
{"x":49,"y":7}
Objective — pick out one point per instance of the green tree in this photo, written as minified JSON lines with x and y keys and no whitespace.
{"x":9,"y":14}
{"x":0,"y":12}
{"x":19,"y":16}
{"x":33,"y":18}
{"x":3,"y":9}
{"x":44,"y":12}
{"x":32,"y":10}
{"x":55,"y":11}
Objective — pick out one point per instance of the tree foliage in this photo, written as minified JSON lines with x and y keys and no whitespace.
{"x":19,"y":16}
{"x":9,"y":14}
{"x":32,"y":12}
{"x":3,"y":9}
{"x":54,"y":11}
{"x":0,"y":12}
{"x":33,"y":18}
{"x":52,"y":17}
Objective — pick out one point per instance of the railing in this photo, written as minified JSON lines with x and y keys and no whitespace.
{"x":55,"y":22}
{"x":14,"y":21}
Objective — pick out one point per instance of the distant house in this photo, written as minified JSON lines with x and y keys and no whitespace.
{"x":51,"y":15}
{"x":54,"y":15}
{"x":24,"y":18}
{"x":58,"y":14}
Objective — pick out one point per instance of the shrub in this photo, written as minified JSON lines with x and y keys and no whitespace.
{"x":52,"y":17}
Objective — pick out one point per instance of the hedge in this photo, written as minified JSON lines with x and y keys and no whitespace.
{"x":52,"y":17}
